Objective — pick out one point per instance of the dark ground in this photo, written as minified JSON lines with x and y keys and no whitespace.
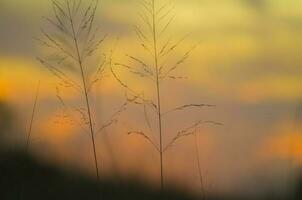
{"x":22,"y":177}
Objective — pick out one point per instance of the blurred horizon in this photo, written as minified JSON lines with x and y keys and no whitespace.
{"x":247,"y":62}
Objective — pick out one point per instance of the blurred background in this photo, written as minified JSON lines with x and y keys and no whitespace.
{"x":247,"y":62}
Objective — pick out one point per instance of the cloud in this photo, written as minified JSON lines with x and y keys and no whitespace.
{"x":285,"y":143}
{"x":271,"y":88}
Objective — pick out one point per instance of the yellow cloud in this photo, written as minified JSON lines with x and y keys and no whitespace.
{"x":18,"y":78}
{"x":270,"y":88}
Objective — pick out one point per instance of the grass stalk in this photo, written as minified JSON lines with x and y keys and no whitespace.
{"x":70,"y":42}
{"x":33,"y":113}
{"x":84,"y":84}
{"x":202,"y":188}
{"x":159,"y":115}
{"x":155,"y":19}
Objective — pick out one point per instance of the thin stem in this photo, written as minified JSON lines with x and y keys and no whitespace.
{"x":85,"y":93}
{"x":32,"y":117}
{"x":158,"y":94}
{"x":203,"y":192}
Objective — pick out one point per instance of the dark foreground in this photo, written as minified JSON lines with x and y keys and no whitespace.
{"x":22,"y":177}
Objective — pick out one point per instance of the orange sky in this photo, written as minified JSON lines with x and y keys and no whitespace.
{"x":247,"y":62}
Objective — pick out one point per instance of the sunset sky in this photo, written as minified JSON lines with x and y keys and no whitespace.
{"x":247,"y":62}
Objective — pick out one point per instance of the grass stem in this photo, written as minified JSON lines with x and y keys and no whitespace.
{"x":29,"y":133}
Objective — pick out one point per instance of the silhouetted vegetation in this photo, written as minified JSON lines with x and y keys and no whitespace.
{"x":74,"y":54}
{"x":73,"y":57}
{"x":72,"y":43}
{"x":158,"y":66}
{"x":32,"y":118}
{"x":24,"y":177}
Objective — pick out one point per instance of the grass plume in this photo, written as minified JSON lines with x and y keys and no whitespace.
{"x":155,"y":20}
{"x":73,"y":43}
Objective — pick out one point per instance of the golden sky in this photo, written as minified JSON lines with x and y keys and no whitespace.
{"x":247,"y":61}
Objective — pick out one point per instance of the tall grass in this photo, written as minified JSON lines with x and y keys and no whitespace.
{"x":197,"y":154}
{"x":155,"y":21}
{"x":32,"y":118}
{"x":72,"y":43}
